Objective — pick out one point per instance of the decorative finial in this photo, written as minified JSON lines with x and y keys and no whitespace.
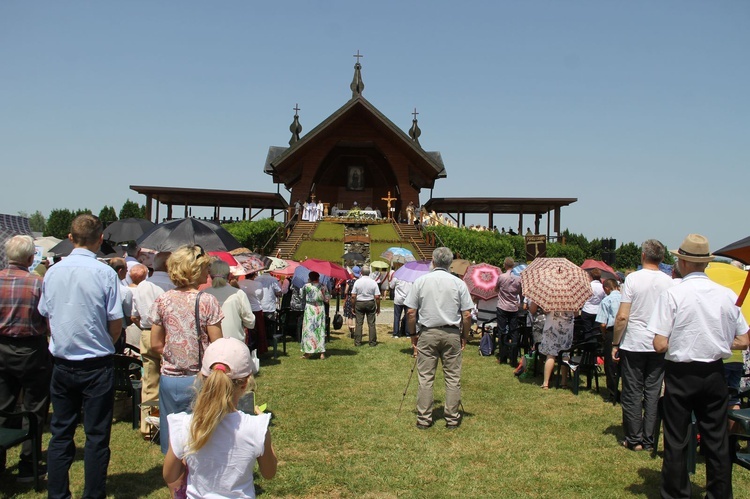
{"x":357,"y":85}
{"x":414,"y":131}
{"x":295,"y":127}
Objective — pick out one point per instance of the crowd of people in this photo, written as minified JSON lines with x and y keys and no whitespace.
{"x":200,"y":330}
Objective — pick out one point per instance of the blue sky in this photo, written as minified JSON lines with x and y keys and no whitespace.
{"x":639,"y":109}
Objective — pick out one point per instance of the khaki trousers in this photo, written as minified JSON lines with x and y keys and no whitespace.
{"x":150,"y":380}
{"x":443,"y":344}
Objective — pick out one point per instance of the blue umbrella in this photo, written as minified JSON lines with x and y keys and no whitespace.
{"x":518,"y":269}
{"x":396,"y":254}
{"x":302,"y":275}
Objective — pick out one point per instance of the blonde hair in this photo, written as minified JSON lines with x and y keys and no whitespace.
{"x":214,"y":401}
{"x":186,"y":265}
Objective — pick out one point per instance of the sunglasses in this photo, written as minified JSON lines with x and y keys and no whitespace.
{"x":202,"y":253}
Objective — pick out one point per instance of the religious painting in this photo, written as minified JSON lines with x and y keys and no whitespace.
{"x":355,"y":178}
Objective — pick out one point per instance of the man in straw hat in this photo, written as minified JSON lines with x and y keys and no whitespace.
{"x":696,"y":324}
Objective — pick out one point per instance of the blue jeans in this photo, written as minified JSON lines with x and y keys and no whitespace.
{"x":175,"y":395}
{"x":75,"y":385}
{"x":399,"y":325}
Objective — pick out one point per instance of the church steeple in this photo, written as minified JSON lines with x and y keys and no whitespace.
{"x":295,"y":127}
{"x":357,"y":85}
{"x":414,"y":131}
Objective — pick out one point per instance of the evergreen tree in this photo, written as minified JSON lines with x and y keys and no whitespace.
{"x":108,"y":215}
{"x":131,"y":209}
{"x":37,"y":221}
{"x":58,"y":223}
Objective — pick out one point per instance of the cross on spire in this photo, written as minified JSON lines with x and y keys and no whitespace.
{"x":296,"y":109}
{"x":358,"y":56}
{"x":415,"y":113}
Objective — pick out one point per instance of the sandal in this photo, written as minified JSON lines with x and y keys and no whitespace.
{"x":545,"y":387}
{"x":636,"y":447}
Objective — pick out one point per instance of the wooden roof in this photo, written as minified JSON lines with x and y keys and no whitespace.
{"x":497,"y":205}
{"x":280,"y":160}
{"x":213,"y":197}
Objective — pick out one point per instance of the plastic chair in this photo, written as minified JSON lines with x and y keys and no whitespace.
{"x":127,"y":372}
{"x":582,"y":358}
{"x":10,"y":437}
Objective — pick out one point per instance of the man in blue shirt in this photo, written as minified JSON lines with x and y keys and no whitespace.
{"x":81,"y":300}
{"x":608,"y":308}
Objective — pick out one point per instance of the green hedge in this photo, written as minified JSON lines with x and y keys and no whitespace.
{"x":253,"y":235}
{"x":481,"y":246}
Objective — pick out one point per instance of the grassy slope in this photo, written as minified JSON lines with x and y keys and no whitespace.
{"x":337,"y":434}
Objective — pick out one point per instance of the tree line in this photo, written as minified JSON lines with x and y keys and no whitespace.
{"x":59,"y":220}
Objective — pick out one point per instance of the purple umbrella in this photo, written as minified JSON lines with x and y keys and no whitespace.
{"x":412,"y":270}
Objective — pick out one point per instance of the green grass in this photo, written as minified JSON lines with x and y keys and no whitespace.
{"x":382,"y":232}
{"x":337,"y":434}
{"x":323,"y":250}
{"x":328,"y":230}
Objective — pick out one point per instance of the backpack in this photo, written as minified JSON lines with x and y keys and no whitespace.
{"x":487,"y":345}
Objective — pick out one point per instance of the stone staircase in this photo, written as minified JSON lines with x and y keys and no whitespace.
{"x":302,"y":231}
{"x":409,"y":233}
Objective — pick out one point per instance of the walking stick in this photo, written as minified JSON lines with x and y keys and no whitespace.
{"x":407,"y":387}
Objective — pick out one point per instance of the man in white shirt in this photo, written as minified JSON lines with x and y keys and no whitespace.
{"x":642,"y":368}
{"x":697,"y":324}
{"x":144,"y":296}
{"x":400,"y":291}
{"x":234,"y":303}
{"x":255,"y":293}
{"x":441,"y":304}
{"x":366,"y":296}
{"x":588,"y":324}
{"x":269,"y":302}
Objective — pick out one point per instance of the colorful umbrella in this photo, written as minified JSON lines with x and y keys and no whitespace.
{"x":327,"y":268}
{"x":234,"y":266}
{"x":481,"y":280}
{"x":169,"y":236}
{"x":287,"y":271}
{"x":556,"y":284}
{"x":413,"y":270}
{"x":250,"y":263}
{"x":607,"y":271}
{"x":397,"y":254}
{"x":740,"y":251}
{"x":732,"y":277}
{"x":459,"y":266}
{"x":277,"y":263}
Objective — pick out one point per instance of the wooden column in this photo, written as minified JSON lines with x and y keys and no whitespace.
{"x":148,"y":206}
{"x":157,"y":212}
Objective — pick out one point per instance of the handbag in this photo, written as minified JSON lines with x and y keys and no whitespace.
{"x":198,"y":328}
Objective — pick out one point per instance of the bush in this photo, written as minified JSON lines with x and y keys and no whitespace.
{"x":572,"y":252}
{"x":254,"y":235}
{"x":481,"y":246}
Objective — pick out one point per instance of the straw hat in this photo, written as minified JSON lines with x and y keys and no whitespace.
{"x":694,"y":249}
